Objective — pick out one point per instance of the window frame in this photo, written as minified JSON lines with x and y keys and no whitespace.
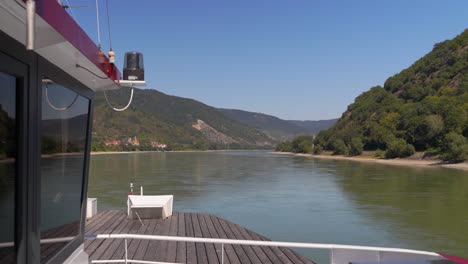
{"x":30,"y":67}
{"x":19,"y":70}
{"x":48,"y":70}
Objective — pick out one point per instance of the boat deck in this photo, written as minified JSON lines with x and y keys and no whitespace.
{"x":180,"y":224}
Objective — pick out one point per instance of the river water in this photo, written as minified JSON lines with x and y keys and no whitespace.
{"x":289,"y":198}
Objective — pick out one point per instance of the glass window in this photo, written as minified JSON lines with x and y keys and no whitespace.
{"x":8,"y":143}
{"x":63,"y":139}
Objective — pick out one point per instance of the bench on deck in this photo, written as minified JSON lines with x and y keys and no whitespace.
{"x":149,"y":206}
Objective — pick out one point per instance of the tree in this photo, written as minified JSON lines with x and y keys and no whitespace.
{"x":317,"y":150}
{"x":339,"y":147}
{"x":455,"y":147}
{"x":398,"y":148}
{"x":356,"y":147}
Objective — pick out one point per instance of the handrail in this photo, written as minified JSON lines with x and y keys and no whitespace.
{"x":334,"y":248}
{"x":258,"y":243}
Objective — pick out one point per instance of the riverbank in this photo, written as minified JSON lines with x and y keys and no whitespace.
{"x":151,"y":151}
{"x":399,"y":162}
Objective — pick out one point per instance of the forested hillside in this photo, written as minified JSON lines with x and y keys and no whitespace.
{"x":422,"y":108}
{"x":155,"y":119}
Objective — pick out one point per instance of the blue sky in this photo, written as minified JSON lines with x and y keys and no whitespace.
{"x":294,"y":59}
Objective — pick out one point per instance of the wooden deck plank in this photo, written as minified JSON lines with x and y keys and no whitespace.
{"x":211,"y":251}
{"x":213,"y":234}
{"x":191,"y":249}
{"x":97,"y":250}
{"x":134,"y":244}
{"x":181,"y":224}
{"x":277,"y":251}
{"x":152,"y":252}
{"x":292,"y":255}
{"x":96,"y":225}
{"x":172,"y":246}
{"x":202,"y":257}
{"x":267,"y":250}
{"x":243,"y":257}
{"x":228,"y":249}
{"x":247,"y":249}
{"x":262,"y":256}
{"x":181,"y":246}
{"x":163,"y":245}
{"x":120,"y":250}
{"x":114,"y":244}
{"x":92,"y":245}
{"x":141,"y":251}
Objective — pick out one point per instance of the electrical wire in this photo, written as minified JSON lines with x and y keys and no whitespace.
{"x":97,"y":24}
{"x":72,"y":13}
{"x":108,"y":24}
{"x":105,"y":95}
{"x":86,"y":69}
{"x":53,"y":106}
{"x":20,"y":3}
{"x":119,"y":109}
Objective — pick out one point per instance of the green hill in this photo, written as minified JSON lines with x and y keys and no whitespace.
{"x":156,"y":118}
{"x":422,"y":108}
{"x":275,"y":127}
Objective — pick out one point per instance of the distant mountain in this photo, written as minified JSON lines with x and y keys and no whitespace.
{"x":275,"y":127}
{"x":155,"y":119}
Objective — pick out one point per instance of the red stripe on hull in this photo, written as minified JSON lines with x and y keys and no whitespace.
{"x":56,"y":16}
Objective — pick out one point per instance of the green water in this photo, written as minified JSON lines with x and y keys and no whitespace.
{"x":290,"y":198}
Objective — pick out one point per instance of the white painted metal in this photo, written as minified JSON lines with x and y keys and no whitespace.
{"x":126,"y":252}
{"x":150,"y":206}
{"x":262,"y":243}
{"x":222,"y":253}
{"x":130,"y":261}
{"x":339,"y":254}
{"x":91,"y":207}
{"x":119,"y":109}
{"x":30,"y":23}
{"x":131,"y":83}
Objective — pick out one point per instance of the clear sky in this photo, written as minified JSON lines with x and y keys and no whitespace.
{"x":295,"y":59}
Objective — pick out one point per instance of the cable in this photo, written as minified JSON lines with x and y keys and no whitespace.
{"x":53,"y":106}
{"x":105,"y":95}
{"x":71,"y":12}
{"x":20,"y":3}
{"x":98,"y":26}
{"x":79,"y":66}
{"x":108,"y":24}
{"x":119,"y":109}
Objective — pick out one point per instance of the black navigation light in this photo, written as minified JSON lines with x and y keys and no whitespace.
{"x":133,"y":69}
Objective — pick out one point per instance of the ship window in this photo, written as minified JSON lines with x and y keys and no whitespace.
{"x":8,"y":172}
{"x":64,"y":129}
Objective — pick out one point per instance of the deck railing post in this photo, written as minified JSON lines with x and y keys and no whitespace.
{"x":222,"y":253}
{"x":126,"y":252}
{"x":332,"y":261}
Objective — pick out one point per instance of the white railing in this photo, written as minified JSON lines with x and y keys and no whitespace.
{"x":339,"y":254}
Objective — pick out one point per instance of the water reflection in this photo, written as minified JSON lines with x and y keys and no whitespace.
{"x":418,"y":204}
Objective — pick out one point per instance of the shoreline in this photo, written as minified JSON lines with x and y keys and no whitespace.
{"x":396,"y":162}
{"x":171,"y":151}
